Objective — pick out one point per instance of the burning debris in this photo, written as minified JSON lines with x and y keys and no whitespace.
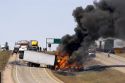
{"x":105,"y":18}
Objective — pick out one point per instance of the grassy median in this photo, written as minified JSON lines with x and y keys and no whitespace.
{"x":121,"y":55}
{"x":4,"y":56}
{"x":106,"y":76}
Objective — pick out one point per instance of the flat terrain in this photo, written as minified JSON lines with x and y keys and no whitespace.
{"x":24,"y":74}
{"x":112,"y":60}
{"x":4,"y":56}
{"x":121,"y":55}
{"x":106,"y":76}
{"x":109,"y":75}
{"x":7,"y":73}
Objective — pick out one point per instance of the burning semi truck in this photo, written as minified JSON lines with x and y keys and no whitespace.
{"x":57,"y":62}
{"x":103,"y":19}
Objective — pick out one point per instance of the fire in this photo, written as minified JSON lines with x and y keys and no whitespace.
{"x":62,"y":62}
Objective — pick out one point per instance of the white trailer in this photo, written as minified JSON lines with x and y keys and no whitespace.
{"x":119,"y":43}
{"x":36,"y":58}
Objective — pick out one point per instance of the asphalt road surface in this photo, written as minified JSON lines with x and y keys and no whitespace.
{"x":111,"y":60}
{"x":24,"y":74}
{"x":21,"y":73}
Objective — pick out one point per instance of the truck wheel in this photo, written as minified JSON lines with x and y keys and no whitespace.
{"x":33,"y":64}
{"x":30,"y":64}
{"x":47,"y":66}
{"x":38,"y":65}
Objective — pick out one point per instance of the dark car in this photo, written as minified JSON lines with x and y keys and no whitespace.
{"x":92,"y":53}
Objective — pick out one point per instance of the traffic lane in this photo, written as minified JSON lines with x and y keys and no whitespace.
{"x":112,"y":60}
{"x":50,"y":78}
{"x":40,"y":77}
{"x":24,"y":74}
{"x":21,"y":73}
{"x":43,"y":76}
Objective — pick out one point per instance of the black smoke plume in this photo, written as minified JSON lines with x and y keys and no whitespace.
{"x":105,"y":18}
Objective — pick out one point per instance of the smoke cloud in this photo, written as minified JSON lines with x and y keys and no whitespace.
{"x":105,"y":18}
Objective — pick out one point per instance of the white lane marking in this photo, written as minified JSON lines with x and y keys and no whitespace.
{"x":33,"y":76}
{"x":50,"y":76}
{"x":41,"y":76}
{"x":40,"y":73}
{"x":17,"y":73}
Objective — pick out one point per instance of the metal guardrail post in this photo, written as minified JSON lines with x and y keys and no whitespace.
{"x":0,"y":77}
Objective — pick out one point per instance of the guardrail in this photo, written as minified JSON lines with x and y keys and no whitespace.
{"x":0,"y":77}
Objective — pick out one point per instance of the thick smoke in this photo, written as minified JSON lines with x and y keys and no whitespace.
{"x":105,"y":18}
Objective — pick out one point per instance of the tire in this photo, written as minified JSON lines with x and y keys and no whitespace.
{"x":47,"y":66}
{"x":38,"y":65}
{"x":30,"y":64}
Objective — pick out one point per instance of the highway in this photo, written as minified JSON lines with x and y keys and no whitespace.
{"x":112,"y":60}
{"x":24,"y":74}
{"x":21,"y":73}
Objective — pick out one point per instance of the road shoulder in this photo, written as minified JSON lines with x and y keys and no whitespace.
{"x":53,"y":76}
{"x":7,"y":73}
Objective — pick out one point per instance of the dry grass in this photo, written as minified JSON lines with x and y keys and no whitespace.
{"x":51,"y":52}
{"x":121,"y":54}
{"x":106,"y":76}
{"x":4,"y":56}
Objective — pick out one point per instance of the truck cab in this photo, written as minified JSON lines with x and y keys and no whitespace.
{"x":21,"y":51}
{"x":33,"y":45}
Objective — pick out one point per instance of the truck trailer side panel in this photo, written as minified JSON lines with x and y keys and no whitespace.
{"x":40,"y":58}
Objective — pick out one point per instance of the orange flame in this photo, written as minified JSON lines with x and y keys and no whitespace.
{"x":62,"y":62}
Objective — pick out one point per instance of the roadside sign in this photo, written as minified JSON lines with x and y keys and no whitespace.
{"x":50,"y":41}
{"x":57,"y":41}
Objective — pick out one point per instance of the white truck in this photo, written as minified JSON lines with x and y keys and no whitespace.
{"x":21,"y":51}
{"x":23,"y":48}
{"x":2,"y":46}
{"x":36,"y":58}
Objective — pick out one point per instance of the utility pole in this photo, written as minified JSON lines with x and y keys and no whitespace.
{"x":46,"y":44}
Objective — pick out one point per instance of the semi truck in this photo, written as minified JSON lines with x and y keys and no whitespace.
{"x":23,"y":45}
{"x":35,"y":58}
{"x":33,"y":45}
{"x":16,"y":48}
{"x":21,"y":51}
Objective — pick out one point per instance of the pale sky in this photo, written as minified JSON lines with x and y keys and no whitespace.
{"x":37,"y":19}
